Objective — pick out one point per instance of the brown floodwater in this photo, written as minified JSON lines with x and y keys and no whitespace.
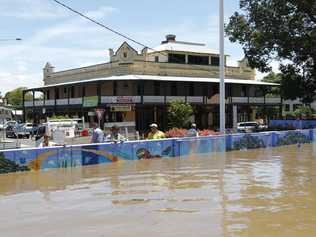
{"x":267,"y":192}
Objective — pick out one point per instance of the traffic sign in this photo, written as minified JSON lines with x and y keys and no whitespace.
{"x":99,"y":113}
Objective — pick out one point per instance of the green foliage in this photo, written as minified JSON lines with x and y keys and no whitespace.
{"x":304,"y":111}
{"x":273,"y":78}
{"x":268,"y":112}
{"x":281,"y":30}
{"x":179,"y":114}
{"x":15,"y":97}
{"x":60,"y":117}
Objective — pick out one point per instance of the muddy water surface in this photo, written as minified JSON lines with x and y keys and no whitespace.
{"x":269,"y":192}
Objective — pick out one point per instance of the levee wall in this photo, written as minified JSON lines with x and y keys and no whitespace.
{"x":83,"y":155}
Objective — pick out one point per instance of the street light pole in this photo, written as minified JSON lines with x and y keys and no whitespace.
{"x":222,"y":68}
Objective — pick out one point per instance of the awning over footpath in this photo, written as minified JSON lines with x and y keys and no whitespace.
{"x":160,"y":78}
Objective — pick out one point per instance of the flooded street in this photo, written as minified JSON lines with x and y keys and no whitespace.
{"x":268,"y":192}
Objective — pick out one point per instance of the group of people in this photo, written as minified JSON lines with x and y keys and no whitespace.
{"x":98,"y":135}
{"x":154,"y":133}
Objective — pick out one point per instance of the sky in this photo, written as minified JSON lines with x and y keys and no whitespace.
{"x":51,"y":33}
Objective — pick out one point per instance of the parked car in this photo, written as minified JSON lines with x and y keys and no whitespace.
{"x":31,"y":128}
{"x":17,"y":131}
{"x":10,"y":123}
{"x":9,"y":132}
{"x":250,"y":127}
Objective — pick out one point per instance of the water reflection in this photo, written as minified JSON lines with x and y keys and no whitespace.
{"x":266,"y":192}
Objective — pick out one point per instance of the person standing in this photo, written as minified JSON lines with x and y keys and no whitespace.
{"x":114,"y":135}
{"x":155,"y":133}
{"x":97,"y":135}
{"x":193,"y":131}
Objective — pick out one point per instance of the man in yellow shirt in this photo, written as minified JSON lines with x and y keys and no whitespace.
{"x":155,"y":133}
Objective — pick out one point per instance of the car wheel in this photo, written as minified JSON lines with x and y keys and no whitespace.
{"x":27,"y":136}
{"x":20,"y":136}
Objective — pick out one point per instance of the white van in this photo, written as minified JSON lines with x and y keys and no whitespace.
{"x":68,"y":126}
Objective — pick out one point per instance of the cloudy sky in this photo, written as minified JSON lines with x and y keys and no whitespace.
{"x":52,"y":34}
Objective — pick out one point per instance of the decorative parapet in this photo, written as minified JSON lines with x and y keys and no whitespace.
{"x":145,"y":68}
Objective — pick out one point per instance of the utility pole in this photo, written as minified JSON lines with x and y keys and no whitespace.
{"x":222,"y":68}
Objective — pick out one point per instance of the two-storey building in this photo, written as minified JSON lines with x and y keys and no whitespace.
{"x":136,"y":87}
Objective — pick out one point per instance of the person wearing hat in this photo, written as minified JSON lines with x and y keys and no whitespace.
{"x":192,"y":132}
{"x":155,"y":133}
{"x":114,"y":135}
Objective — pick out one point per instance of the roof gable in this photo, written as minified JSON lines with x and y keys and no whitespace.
{"x":125,"y":45}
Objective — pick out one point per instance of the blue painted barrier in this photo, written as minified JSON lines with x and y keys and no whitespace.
{"x":84,"y":155}
{"x":297,"y":124}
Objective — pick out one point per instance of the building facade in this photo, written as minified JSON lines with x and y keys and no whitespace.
{"x":135,"y":87}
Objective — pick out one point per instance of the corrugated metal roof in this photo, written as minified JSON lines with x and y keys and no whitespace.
{"x":162,"y":78}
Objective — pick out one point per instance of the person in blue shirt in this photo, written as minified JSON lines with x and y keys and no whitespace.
{"x":97,"y":135}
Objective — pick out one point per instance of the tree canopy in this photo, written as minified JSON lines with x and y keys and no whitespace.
{"x":282,"y":30}
{"x":179,"y":114}
{"x":15,"y":97}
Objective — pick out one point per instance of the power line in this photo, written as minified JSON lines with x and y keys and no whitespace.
{"x":100,"y":24}
{"x":16,"y":39}
{"x":120,"y":34}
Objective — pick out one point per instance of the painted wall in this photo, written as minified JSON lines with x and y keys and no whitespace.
{"x":82,"y":155}
{"x":298,"y":124}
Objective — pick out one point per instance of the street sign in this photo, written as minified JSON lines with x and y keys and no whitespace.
{"x":99,"y":113}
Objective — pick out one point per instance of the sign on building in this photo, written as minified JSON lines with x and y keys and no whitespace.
{"x":120,"y":108}
{"x":90,"y":101}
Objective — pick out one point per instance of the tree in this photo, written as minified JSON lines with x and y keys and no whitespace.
{"x":15,"y":97}
{"x":273,"y":78}
{"x":179,"y":113}
{"x":282,"y":30}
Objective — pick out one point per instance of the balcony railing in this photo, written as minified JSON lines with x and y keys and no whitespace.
{"x":157,"y":100}
{"x":49,"y":102}
{"x":62,"y":102}
{"x":121,"y":99}
{"x":28,"y":103}
{"x":256,"y":100}
{"x":273,"y":100}
{"x":241,"y":100}
{"x":174,"y":98}
{"x":38,"y":102}
{"x":154,"y":99}
{"x":75,"y":101}
{"x":195,"y":99}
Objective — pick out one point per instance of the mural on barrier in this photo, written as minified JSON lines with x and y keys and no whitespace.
{"x":73,"y":156}
{"x":292,"y":137}
{"x":9,"y":166}
{"x":295,"y":124}
{"x":248,"y":142}
{"x":191,"y":146}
